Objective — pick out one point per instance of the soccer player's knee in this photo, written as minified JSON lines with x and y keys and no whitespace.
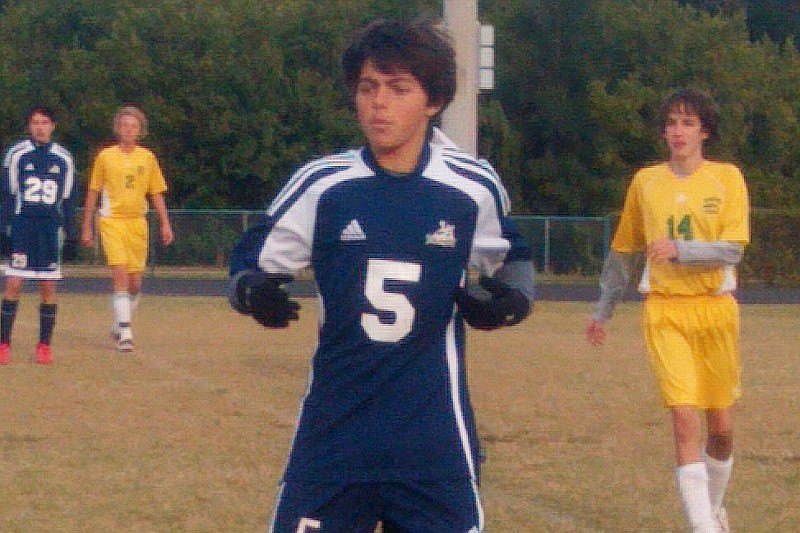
{"x":720,"y":444}
{"x":722,"y":436}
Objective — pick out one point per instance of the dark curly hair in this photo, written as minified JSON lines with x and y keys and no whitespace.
{"x":417,"y":46}
{"x":694,"y":101}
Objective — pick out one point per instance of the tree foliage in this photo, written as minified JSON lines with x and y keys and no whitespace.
{"x":241,"y":92}
{"x":238,"y":92}
{"x":584,"y":81}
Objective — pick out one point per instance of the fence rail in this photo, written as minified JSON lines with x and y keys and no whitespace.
{"x":560,"y":244}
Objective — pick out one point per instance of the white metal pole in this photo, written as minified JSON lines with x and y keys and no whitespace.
{"x":460,"y":119}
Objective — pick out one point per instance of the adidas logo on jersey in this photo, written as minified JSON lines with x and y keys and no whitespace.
{"x":352,"y":232}
{"x":55,"y":169}
{"x":444,"y":236}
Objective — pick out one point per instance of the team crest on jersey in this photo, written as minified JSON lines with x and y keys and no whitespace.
{"x":28,"y":167}
{"x":19,"y":260}
{"x":711,"y":205}
{"x":352,"y":232}
{"x":444,"y":236}
{"x":681,"y":198}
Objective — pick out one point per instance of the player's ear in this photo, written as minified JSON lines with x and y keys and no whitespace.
{"x":432,"y":112}
{"x":433,"y":108}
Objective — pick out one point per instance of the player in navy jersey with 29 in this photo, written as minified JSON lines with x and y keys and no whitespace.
{"x":38,"y":178}
{"x":386,"y":432}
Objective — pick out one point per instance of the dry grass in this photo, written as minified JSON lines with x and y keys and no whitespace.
{"x":191,"y":433}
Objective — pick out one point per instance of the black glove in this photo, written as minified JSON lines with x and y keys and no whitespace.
{"x":260,"y":294}
{"x":505,"y":307}
{"x":69,"y":252}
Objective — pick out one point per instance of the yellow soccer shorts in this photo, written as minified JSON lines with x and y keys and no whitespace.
{"x":693,"y":344}
{"x":124,"y":242}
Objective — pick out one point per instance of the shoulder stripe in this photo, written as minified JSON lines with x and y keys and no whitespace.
{"x":61,"y":151}
{"x":481,"y":172}
{"x":11,"y":164}
{"x":306,"y":176}
{"x":18,"y":148}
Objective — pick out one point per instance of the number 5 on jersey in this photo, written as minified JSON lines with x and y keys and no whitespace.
{"x":378,"y":272}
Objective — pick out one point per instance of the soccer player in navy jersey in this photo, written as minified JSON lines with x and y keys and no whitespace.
{"x":38,"y":178}
{"x":386,"y":432}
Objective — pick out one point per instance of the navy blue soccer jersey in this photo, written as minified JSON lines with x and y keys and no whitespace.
{"x":39,"y":179}
{"x":37,"y":184}
{"x":387,"y":398}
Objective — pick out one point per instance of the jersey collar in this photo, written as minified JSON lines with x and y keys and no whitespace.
{"x":422,"y":162}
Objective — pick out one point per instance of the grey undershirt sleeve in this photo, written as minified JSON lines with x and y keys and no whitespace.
{"x":619,"y":267}
{"x":712,"y":253}
{"x":518,"y":275}
{"x":618,"y":270}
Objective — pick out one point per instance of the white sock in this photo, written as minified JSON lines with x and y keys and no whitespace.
{"x":122,"y":314}
{"x":719,"y":472}
{"x":692,"y":481}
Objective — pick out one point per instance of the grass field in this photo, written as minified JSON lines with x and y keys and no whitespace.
{"x":191,"y":433}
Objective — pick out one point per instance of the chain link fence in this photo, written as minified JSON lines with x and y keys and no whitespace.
{"x":560,"y":244}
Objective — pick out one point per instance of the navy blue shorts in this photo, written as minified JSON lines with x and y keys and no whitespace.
{"x":451,"y":506}
{"x":35,"y":248}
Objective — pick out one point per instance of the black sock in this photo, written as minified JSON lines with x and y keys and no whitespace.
{"x":47,"y":321}
{"x":8,"y":313}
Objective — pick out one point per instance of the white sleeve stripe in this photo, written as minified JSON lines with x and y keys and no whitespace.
{"x":298,"y":176}
{"x":297,"y":187}
{"x":69,"y":175}
{"x":306,"y":175}
{"x":484,"y":170}
{"x":21,"y":146}
{"x":13,"y":169}
{"x":487,"y":179}
{"x":455,"y":397}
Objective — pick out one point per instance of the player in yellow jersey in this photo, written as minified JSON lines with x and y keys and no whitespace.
{"x":689,"y":218}
{"x":123,"y":177}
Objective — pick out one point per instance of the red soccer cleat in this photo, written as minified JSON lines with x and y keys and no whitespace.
{"x":5,"y":353}
{"x":43,"y":354}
